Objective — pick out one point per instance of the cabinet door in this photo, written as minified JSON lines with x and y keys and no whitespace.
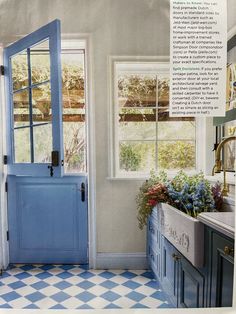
{"x":222,"y":271}
{"x":191,"y":285}
{"x":169,"y":270}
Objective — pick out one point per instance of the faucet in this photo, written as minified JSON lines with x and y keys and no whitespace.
{"x":217,"y":166}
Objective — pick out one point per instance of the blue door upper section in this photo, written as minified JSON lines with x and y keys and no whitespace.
{"x":32,"y":165}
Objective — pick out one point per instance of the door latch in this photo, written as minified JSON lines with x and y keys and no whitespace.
{"x":82,"y":191}
{"x":55,"y":161}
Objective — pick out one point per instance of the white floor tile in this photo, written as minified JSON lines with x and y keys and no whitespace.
{"x":19,"y":303}
{"x":97,"y":290}
{"x":25,"y":290}
{"x":124,"y":303}
{"x":72,"y":303}
{"x":49,"y":291}
{"x":98,"y":303}
{"x":45,"y":303}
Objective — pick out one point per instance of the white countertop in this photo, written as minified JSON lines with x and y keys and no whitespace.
{"x":223,"y":222}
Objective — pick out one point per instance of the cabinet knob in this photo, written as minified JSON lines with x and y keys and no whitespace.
{"x":175,"y":257}
{"x":228,"y":250}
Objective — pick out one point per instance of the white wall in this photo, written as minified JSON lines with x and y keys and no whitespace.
{"x":117,"y":27}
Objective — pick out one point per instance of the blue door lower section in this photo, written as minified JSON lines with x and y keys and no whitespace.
{"x":48,"y":221}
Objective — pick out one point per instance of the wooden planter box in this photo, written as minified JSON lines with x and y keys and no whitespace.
{"x":184,"y":232}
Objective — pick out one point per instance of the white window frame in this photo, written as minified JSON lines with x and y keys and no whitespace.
{"x":152,"y":65}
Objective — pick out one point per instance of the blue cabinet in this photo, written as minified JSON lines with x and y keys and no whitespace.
{"x":186,"y":285}
{"x":191,"y":283}
{"x":170,"y":267}
{"x":221,"y":264}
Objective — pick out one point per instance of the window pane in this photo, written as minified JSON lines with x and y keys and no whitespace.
{"x":163,"y":91}
{"x":40,"y":62}
{"x":42,"y":143}
{"x":74,"y":130}
{"x":19,"y":65}
{"x":163,"y":115}
{"x":137,"y":131}
{"x":137,"y":90}
{"x":74,"y":147}
{"x":22,"y":145}
{"x":137,"y":115}
{"x":176,"y":130}
{"x":21,"y":108}
{"x":41,"y":101}
{"x":176,"y":155}
{"x":137,"y":156}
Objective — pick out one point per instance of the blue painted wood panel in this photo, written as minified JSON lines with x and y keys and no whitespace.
{"x":47,"y":220}
{"x":169,"y":270}
{"x":191,"y":285}
{"x":222,"y":271}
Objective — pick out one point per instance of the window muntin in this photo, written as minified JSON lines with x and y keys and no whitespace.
{"x":145,"y":136}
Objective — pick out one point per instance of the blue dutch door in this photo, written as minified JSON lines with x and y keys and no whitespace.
{"x":47,"y":211}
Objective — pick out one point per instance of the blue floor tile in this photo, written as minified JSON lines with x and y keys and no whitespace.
{"x":39,"y":285}
{"x":109,"y":284}
{"x":86,"y":275}
{"x":128,"y":275}
{"x":60,"y":296}
{"x":135,"y":296}
{"x":31,"y":306}
{"x":107,"y":274}
{"x":62,"y":285}
{"x":10,"y":296}
{"x":86,"y":284}
{"x":112,"y":306}
{"x":131,"y":284}
{"x":43,"y":275}
{"x":110,"y":296}
{"x":85,"y":296}
{"x":17,"y":285}
{"x":34,"y":297}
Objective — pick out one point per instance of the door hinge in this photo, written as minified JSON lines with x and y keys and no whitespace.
{"x":5,"y":159}
{"x":2,"y":70}
{"x":6,"y":186}
{"x":7,"y":235}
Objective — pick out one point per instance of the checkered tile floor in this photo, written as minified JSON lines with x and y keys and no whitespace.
{"x":76,"y":287}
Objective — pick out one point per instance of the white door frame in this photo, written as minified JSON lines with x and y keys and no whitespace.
{"x":90,"y":124}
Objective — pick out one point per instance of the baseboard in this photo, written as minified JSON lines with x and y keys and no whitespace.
{"x":121,"y":261}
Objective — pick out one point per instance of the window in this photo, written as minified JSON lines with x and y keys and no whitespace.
{"x":74,"y":107}
{"x":145,"y":136}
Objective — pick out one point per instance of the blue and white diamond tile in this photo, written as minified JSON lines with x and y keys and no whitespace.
{"x":77,"y":287}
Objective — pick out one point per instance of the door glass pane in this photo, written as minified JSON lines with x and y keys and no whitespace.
{"x":41,"y":103}
{"x":74,"y":129}
{"x":22,"y":145}
{"x":42,"y":143}
{"x":40,"y":62}
{"x":19,"y":66}
{"x":21,"y":108}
